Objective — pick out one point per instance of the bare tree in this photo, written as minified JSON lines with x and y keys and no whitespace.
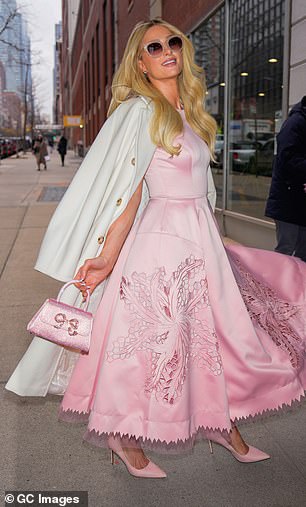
{"x":26,"y":98}
{"x":31,"y":107}
{"x":7,"y":24}
{"x":23,"y":58}
{"x":34,"y":106}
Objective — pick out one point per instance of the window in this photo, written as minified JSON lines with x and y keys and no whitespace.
{"x":255,"y":103}
{"x":209,"y":44}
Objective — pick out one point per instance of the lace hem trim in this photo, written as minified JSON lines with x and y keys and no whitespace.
{"x":100,"y":439}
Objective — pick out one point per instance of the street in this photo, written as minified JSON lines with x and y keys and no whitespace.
{"x":39,"y":452}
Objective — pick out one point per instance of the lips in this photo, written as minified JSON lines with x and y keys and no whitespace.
{"x":169,"y":61}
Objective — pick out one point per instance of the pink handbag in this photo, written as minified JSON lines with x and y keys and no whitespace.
{"x":63,"y":324}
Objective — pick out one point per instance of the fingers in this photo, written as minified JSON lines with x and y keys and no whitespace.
{"x":83,"y":286}
{"x":83,"y":271}
{"x":86,"y":292}
{"x":86,"y":289}
{"x":81,"y":275}
{"x":88,"y":281}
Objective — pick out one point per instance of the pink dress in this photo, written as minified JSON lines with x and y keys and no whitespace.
{"x":189,"y":334}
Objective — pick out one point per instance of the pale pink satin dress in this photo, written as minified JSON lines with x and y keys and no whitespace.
{"x":188,"y":334}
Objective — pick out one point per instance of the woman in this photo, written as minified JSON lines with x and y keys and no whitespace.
{"x":187,"y":335}
{"x":62,"y":148}
{"x":40,"y":151}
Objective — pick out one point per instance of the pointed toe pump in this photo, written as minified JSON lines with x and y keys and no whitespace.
{"x":151,"y":470}
{"x":253,"y":455}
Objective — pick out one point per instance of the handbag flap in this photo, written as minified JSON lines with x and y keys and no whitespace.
{"x":62,"y":316}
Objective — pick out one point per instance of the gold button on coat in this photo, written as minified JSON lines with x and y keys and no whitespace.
{"x":119,"y":201}
{"x":100,"y":240}
{"x":133,"y":161}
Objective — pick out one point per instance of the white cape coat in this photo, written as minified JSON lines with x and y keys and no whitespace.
{"x":99,"y":192}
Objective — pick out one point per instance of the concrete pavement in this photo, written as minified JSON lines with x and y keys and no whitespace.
{"x":38,"y":452}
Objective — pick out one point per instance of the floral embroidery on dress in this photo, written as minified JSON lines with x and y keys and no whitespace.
{"x":272,"y":314}
{"x":169,"y":319}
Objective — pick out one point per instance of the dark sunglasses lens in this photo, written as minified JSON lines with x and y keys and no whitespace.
{"x":155,"y":48}
{"x":175,"y":43}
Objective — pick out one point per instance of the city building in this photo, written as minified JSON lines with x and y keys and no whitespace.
{"x":15,"y":50}
{"x":252,"y":54}
{"x":88,"y":44}
{"x":15,"y":57}
{"x":10,"y":108}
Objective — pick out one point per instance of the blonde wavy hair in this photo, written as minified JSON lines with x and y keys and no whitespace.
{"x":166,"y":123}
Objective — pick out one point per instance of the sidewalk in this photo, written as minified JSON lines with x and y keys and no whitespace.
{"x":40,"y":453}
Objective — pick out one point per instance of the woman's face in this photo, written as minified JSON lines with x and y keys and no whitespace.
{"x":168,"y":65}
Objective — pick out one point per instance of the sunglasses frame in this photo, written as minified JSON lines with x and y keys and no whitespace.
{"x":164,"y":45}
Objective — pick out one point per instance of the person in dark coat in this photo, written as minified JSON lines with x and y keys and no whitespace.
{"x":287,"y":198}
{"x":62,"y":148}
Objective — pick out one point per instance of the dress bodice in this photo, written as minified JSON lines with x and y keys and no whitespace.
{"x":180,"y":176}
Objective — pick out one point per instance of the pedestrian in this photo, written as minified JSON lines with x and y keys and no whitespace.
{"x":287,"y":198}
{"x":51,"y":144}
{"x":62,"y":148}
{"x":40,"y":151}
{"x":189,"y":337}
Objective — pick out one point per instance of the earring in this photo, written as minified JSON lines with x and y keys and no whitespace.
{"x":145,"y":72}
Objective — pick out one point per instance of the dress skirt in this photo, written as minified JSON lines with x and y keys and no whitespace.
{"x":189,"y":334}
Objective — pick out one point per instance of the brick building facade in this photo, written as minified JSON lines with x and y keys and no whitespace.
{"x":186,"y":15}
{"x":102,"y":29}
{"x":88,"y":65}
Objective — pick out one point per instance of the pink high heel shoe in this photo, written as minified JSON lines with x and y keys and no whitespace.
{"x":251,"y":456}
{"x":150,"y":471}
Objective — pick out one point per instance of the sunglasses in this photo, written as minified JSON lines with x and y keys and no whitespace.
{"x":155,"y":48}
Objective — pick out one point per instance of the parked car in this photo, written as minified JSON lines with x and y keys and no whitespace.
{"x":262,"y":138}
{"x":3,"y":148}
{"x":10,"y":146}
{"x":253,"y":157}
{"x":242,"y":154}
{"x":261,"y":163}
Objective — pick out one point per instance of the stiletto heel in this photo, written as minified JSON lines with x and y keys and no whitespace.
{"x":112,"y":457}
{"x":210,"y":446}
{"x":251,"y":456}
{"x":150,"y":470}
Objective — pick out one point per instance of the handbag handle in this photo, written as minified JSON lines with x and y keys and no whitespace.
{"x":70,"y":283}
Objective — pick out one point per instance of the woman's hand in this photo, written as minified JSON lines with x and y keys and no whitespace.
{"x":93,"y":272}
